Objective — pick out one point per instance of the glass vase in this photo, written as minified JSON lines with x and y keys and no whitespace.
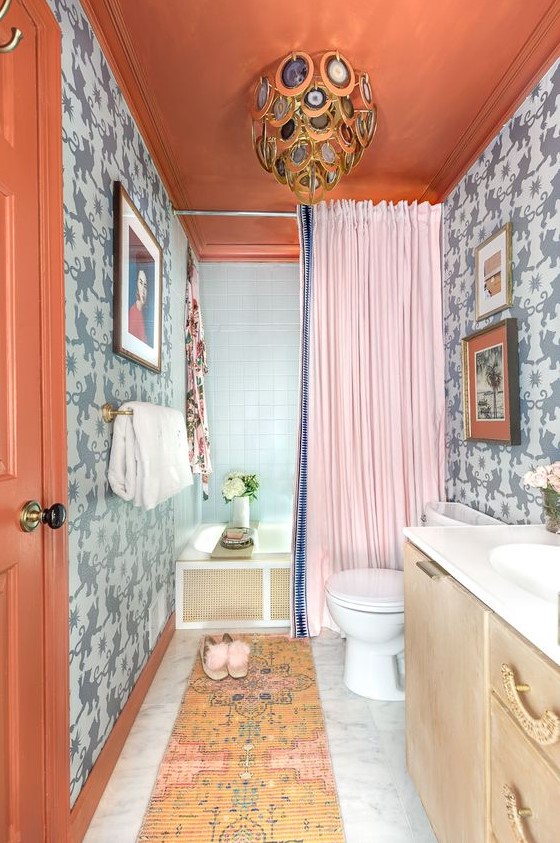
{"x":240,"y":512}
{"x":551,"y":507}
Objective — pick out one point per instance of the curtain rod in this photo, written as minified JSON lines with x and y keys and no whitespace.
{"x":287,"y":214}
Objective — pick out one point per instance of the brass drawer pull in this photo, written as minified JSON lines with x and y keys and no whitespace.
{"x":515,"y":814}
{"x":431,"y":569}
{"x":544,"y":730}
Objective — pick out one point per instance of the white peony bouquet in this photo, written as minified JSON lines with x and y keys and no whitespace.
{"x":238,"y":485}
{"x":545,"y":477}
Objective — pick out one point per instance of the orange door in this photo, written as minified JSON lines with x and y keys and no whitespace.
{"x":32,"y":716}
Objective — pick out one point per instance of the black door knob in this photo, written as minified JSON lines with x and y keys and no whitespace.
{"x":54,"y":516}
{"x":32,"y":514}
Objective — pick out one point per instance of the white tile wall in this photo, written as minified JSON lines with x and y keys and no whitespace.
{"x":251,"y":322}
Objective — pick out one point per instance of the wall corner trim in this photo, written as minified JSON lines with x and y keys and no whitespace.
{"x":92,"y":791}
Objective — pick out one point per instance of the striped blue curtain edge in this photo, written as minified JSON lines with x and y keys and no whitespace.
{"x":299,"y":622}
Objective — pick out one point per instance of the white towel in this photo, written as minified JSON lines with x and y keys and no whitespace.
{"x":149,"y":455}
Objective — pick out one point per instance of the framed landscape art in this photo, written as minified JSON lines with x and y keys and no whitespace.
{"x":493,"y":290}
{"x":491,"y":384}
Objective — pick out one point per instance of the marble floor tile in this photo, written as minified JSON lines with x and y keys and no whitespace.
{"x":387,"y":716}
{"x":377,"y":799}
{"x":393,"y":743}
{"x":149,"y":736}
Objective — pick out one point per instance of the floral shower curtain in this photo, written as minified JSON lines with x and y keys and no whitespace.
{"x":197,"y":425}
{"x":371,"y":446}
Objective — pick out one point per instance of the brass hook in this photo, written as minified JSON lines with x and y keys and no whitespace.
{"x":17,"y":34}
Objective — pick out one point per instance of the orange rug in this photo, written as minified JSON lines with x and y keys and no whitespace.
{"x":248,"y":759}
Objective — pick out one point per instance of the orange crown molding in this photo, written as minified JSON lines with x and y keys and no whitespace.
{"x":105,"y":16}
{"x":259,"y":253}
{"x":542,"y":47}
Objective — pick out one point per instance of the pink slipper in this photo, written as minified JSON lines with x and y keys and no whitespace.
{"x":238,"y":659}
{"x":214,"y":658}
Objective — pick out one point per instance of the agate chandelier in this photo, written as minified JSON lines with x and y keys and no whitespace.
{"x":312,"y":121}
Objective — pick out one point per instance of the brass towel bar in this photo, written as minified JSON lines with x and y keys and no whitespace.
{"x":110,"y":413}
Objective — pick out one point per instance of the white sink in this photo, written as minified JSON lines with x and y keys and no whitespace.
{"x":534,"y":567}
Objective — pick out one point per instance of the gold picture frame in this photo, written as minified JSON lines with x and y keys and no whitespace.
{"x":137,"y":287}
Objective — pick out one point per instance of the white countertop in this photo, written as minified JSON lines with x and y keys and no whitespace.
{"x":464,"y":553}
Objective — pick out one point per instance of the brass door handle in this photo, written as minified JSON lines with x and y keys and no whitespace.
{"x":516,"y":815}
{"x":32,"y":514}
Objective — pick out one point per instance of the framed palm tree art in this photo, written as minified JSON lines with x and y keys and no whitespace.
{"x":491,"y":384}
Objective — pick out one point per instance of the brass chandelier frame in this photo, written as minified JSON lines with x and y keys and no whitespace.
{"x":312,"y":121}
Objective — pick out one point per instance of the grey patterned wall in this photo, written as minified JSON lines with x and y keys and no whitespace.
{"x":120,"y":557}
{"x":518,"y":179}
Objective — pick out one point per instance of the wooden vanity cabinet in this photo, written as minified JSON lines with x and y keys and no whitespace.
{"x":446,"y":703}
{"x":482,"y":716}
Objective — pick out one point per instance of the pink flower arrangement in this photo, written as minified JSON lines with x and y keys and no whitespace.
{"x":546,"y":477}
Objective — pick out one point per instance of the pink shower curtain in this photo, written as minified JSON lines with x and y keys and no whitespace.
{"x":376,"y":400}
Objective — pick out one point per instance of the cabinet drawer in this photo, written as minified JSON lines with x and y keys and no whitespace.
{"x":520,"y":780}
{"x":529,"y":686}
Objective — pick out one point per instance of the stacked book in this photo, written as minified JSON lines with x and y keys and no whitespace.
{"x":236,"y":538}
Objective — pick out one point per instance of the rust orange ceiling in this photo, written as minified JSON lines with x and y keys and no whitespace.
{"x":446,"y":76}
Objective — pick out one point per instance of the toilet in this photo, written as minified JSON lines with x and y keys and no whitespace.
{"x":368,"y":606}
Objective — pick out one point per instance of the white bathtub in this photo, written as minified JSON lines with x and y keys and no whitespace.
{"x":234,"y":593}
{"x":271,"y":540}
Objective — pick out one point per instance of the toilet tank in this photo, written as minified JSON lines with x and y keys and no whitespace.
{"x":447,"y":514}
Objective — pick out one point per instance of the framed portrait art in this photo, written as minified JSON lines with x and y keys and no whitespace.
{"x":493,"y":290}
{"x":491,"y":384}
{"x":137,"y":288}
